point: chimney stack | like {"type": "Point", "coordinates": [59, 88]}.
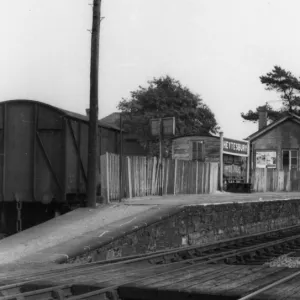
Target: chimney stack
{"type": "Point", "coordinates": [262, 117]}
{"type": "Point", "coordinates": [87, 112]}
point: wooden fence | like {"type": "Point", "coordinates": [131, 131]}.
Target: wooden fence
{"type": "Point", "coordinates": [273, 180]}
{"type": "Point", "coordinates": [141, 177]}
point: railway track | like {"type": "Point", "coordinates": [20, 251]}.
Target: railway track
{"type": "Point", "coordinates": [102, 279]}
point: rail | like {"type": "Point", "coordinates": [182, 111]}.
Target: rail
{"type": "Point", "coordinates": [139, 267]}
{"type": "Point", "coordinates": [269, 286]}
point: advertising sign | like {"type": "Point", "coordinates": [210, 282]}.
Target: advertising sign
{"type": "Point", "coordinates": [235, 147]}
{"type": "Point", "coordinates": [265, 159]}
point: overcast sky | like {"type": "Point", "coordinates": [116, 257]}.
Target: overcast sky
{"type": "Point", "coordinates": [217, 48]}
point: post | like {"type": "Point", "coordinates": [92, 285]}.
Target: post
{"type": "Point", "coordinates": [129, 177]}
{"type": "Point", "coordinates": [121, 156]}
{"type": "Point", "coordinates": [248, 163]}
{"type": "Point", "coordinates": [175, 176]}
{"type": "Point", "coordinates": [221, 161]}
{"type": "Point", "coordinates": [108, 172]}
{"type": "Point", "coordinates": [160, 157]}
{"type": "Point", "coordinates": [93, 123]}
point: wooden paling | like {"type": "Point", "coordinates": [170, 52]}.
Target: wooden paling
{"type": "Point", "coordinates": [273, 180]}
{"type": "Point", "coordinates": [141, 177]}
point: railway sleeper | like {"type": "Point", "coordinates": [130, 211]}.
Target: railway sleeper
{"type": "Point", "coordinates": [25, 288]}
{"type": "Point", "coordinates": [57, 293]}
{"type": "Point", "coordinates": [62, 292]}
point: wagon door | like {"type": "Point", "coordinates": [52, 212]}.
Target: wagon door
{"type": "Point", "coordinates": [18, 151]}
{"type": "Point", "coordinates": [76, 159]}
{"type": "Point", "coordinates": [49, 156]}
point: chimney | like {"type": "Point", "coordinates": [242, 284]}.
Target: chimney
{"type": "Point", "coordinates": [87, 112]}
{"type": "Point", "coordinates": [262, 117]}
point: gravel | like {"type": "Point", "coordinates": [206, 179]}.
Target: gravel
{"type": "Point", "coordinates": [285, 261]}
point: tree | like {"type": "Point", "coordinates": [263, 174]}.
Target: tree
{"type": "Point", "coordinates": [288, 87]}
{"type": "Point", "coordinates": [166, 97]}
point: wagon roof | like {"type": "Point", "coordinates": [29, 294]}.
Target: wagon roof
{"type": "Point", "coordinates": [63, 111]}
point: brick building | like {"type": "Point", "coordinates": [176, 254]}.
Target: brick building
{"type": "Point", "coordinates": [275, 145]}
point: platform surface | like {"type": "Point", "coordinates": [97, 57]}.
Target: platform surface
{"type": "Point", "coordinates": [64, 236]}
{"type": "Point", "coordinates": [218, 197]}
{"type": "Point", "coordinates": [62, 229]}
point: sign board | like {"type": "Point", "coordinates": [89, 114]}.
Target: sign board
{"type": "Point", "coordinates": [168, 126]}
{"type": "Point", "coordinates": [235, 147]}
{"type": "Point", "coordinates": [155, 127]}
{"type": "Point", "coordinates": [265, 159]}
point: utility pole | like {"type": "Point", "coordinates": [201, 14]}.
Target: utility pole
{"type": "Point", "coordinates": [93, 122]}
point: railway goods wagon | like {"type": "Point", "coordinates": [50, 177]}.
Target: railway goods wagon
{"type": "Point", "coordinates": [43, 161]}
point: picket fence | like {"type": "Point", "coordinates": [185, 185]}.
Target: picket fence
{"type": "Point", "coordinates": [141, 176]}
{"type": "Point", "coordinates": [273, 180]}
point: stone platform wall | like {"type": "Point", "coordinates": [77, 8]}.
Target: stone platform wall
{"type": "Point", "coordinates": [200, 224]}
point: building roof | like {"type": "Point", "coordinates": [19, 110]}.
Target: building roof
{"type": "Point", "coordinates": [113, 118]}
{"type": "Point", "coordinates": [288, 116]}
{"type": "Point", "coordinates": [200, 134]}
{"type": "Point", "coordinates": [70, 114]}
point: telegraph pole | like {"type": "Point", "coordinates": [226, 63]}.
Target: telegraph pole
{"type": "Point", "coordinates": [93, 122]}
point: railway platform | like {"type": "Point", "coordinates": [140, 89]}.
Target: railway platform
{"type": "Point", "coordinates": [79, 232]}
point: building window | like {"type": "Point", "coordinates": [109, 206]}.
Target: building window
{"type": "Point", "coordinates": [198, 151]}
{"type": "Point", "coordinates": [290, 159]}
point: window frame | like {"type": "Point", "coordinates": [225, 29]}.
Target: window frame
{"type": "Point", "coordinates": [200, 155]}
{"type": "Point", "coordinates": [290, 158]}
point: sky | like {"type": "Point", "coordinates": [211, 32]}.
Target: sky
{"type": "Point", "coordinates": [217, 48]}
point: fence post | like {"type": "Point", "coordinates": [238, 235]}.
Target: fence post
{"type": "Point", "coordinates": [129, 177]}
{"type": "Point", "coordinates": [153, 187]}
{"type": "Point", "coordinates": [196, 176]}
{"type": "Point", "coordinates": [265, 179]}
{"type": "Point", "coordinates": [167, 175]}
{"type": "Point", "coordinates": [175, 176]}
{"type": "Point", "coordinates": [221, 160]}
{"type": "Point", "coordinates": [248, 164]}
{"type": "Point", "coordinates": [107, 176]}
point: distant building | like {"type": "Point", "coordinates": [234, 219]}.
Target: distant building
{"type": "Point", "coordinates": [205, 147]}
{"type": "Point", "coordinates": [131, 145]}
{"type": "Point", "coordinates": [275, 145]}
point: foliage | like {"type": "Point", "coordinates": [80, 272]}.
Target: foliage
{"type": "Point", "coordinates": [287, 86]}
{"type": "Point", "coordinates": [166, 97]}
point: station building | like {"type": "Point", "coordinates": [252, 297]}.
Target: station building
{"type": "Point", "coordinates": [205, 147]}
{"type": "Point", "coordinates": [275, 145]}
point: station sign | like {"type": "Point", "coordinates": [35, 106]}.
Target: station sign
{"type": "Point", "coordinates": [235, 147]}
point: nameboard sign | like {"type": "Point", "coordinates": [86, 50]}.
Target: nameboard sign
{"type": "Point", "coordinates": [235, 147]}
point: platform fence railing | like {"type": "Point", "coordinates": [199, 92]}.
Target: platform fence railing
{"type": "Point", "coordinates": [274, 180]}
{"type": "Point", "coordinates": [141, 177]}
